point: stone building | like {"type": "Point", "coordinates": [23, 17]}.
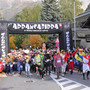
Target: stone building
{"type": "Point", "coordinates": [83, 29]}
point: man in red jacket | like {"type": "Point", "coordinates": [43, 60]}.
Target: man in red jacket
{"type": "Point", "coordinates": [71, 60]}
{"type": "Point", "coordinates": [58, 64]}
{"type": "Point", "coordinates": [89, 61]}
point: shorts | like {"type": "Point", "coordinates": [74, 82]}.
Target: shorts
{"type": "Point", "coordinates": [38, 66]}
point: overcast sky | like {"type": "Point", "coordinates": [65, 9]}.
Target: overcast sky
{"type": "Point", "coordinates": [85, 3]}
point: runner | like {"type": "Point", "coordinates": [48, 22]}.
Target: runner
{"type": "Point", "coordinates": [27, 66]}
{"type": "Point", "coordinates": [64, 63]}
{"type": "Point", "coordinates": [38, 63]}
{"type": "Point", "coordinates": [54, 61]}
{"type": "Point", "coordinates": [71, 60]}
{"type": "Point", "coordinates": [81, 53]}
{"type": "Point", "coordinates": [47, 62]}
{"type": "Point", "coordinates": [85, 64]}
{"type": "Point", "coordinates": [58, 64]}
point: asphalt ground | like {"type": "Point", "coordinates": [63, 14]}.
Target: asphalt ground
{"type": "Point", "coordinates": [78, 78]}
{"type": "Point", "coordinates": [17, 82]}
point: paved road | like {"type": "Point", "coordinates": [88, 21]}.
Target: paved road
{"type": "Point", "coordinates": [69, 82]}
{"type": "Point", "coordinates": [28, 83]}
{"type": "Point", "coordinates": [72, 82]}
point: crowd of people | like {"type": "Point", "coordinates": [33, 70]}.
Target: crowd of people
{"type": "Point", "coordinates": [43, 62]}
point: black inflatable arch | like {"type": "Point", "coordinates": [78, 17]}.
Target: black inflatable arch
{"type": "Point", "coordinates": [62, 28]}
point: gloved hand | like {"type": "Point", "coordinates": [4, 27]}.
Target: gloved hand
{"type": "Point", "coordinates": [77, 53]}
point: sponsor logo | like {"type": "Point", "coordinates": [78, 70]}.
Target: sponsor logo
{"type": "Point", "coordinates": [68, 40]}
{"type": "Point", "coordinates": [34, 26]}
{"type": "Point", "coordinates": [3, 45]}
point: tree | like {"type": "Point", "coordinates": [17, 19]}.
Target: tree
{"type": "Point", "coordinates": [25, 43]}
{"type": "Point", "coordinates": [30, 14]}
{"type": "Point", "coordinates": [19, 39]}
{"type": "Point", "coordinates": [12, 42]}
{"type": "Point", "coordinates": [67, 9]}
{"type": "Point", "coordinates": [35, 41]}
{"type": "Point", "coordinates": [51, 12]}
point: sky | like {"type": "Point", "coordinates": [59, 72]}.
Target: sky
{"type": "Point", "coordinates": [85, 3]}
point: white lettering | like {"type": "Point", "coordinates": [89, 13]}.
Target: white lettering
{"type": "Point", "coordinates": [35, 26]}
{"type": "Point", "coordinates": [14, 26]}
{"type": "Point", "coordinates": [19, 26]}
{"type": "Point", "coordinates": [67, 40]}
{"type": "Point", "coordinates": [31, 26]}
{"type": "Point", "coordinates": [3, 45]}
{"type": "Point", "coordinates": [27, 26]}
{"type": "Point", "coordinates": [23, 26]}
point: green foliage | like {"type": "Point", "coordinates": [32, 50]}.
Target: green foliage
{"type": "Point", "coordinates": [50, 11]}
{"type": "Point", "coordinates": [67, 9]}
{"type": "Point", "coordinates": [29, 14]}
{"type": "Point", "coordinates": [44, 37]}
{"type": "Point", "coordinates": [19, 39]}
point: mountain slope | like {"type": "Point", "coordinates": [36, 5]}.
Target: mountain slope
{"type": "Point", "coordinates": [9, 8]}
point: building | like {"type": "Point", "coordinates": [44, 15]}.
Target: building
{"type": "Point", "coordinates": [83, 29]}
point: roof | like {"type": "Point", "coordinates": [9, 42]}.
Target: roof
{"type": "Point", "coordinates": [87, 12]}
{"type": "Point", "coordinates": [86, 24]}
{"type": "Point", "coordinates": [84, 18]}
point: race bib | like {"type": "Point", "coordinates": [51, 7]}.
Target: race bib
{"type": "Point", "coordinates": [58, 61]}
{"type": "Point", "coordinates": [11, 65]}
{"type": "Point", "coordinates": [38, 60]}
{"type": "Point", "coordinates": [13, 62]}
{"type": "Point", "coordinates": [21, 66]}
{"type": "Point", "coordinates": [48, 60]}
{"type": "Point", "coordinates": [70, 60]}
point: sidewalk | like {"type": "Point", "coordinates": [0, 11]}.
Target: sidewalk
{"type": "Point", "coordinates": [25, 83]}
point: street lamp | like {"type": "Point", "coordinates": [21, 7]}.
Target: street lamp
{"type": "Point", "coordinates": [74, 27]}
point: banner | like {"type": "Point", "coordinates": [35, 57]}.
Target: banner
{"type": "Point", "coordinates": [62, 28]}
{"type": "Point", "coordinates": [3, 39]}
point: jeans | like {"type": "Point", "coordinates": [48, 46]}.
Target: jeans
{"type": "Point", "coordinates": [18, 66]}
{"type": "Point", "coordinates": [27, 68]}
{"type": "Point", "coordinates": [59, 69]}
{"type": "Point", "coordinates": [47, 66]}
{"type": "Point", "coordinates": [15, 67]}
{"type": "Point", "coordinates": [11, 70]}
{"type": "Point", "coordinates": [7, 68]}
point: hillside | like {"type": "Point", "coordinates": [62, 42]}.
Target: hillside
{"type": "Point", "coordinates": [9, 8]}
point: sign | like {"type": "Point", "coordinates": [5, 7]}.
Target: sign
{"type": "Point", "coordinates": [33, 27]}
{"type": "Point", "coordinates": [57, 45]}
{"type": "Point", "coordinates": [25, 46]}
{"type": "Point", "coordinates": [60, 24]}
{"type": "Point", "coordinates": [44, 45]}
{"type": "Point", "coordinates": [87, 38]}
{"type": "Point", "coordinates": [57, 40]}
{"type": "Point", "coordinates": [68, 40]}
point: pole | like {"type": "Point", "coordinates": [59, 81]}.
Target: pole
{"type": "Point", "coordinates": [74, 27]}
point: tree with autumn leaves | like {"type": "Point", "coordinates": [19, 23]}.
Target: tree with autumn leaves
{"type": "Point", "coordinates": [34, 41]}
{"type": "Point", "coordinates": [12, 42]}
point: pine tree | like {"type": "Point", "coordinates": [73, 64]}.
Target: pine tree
{"type": "Point", "coordinates": [50, 12]}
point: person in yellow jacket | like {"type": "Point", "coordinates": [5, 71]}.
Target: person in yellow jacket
{"type": "Point", "coordinates": [81, 53]}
